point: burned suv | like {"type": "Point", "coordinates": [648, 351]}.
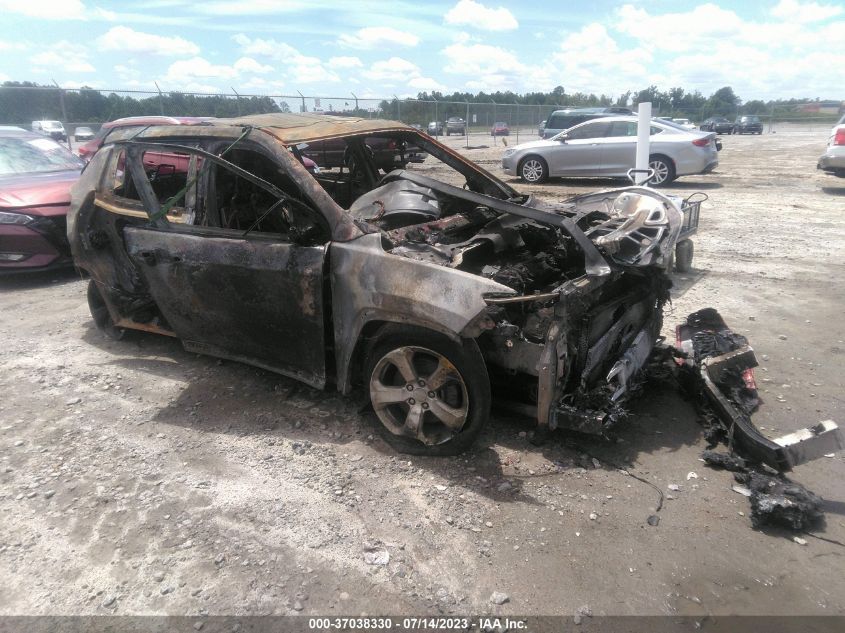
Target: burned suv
{"type": "Point", "coordinates": [432, 287]}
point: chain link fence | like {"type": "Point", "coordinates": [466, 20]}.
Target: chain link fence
{"type": "Point", "coordinates": [21, 105]}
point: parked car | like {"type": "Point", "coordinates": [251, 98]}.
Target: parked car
{"type": "Point", "coordinates": [36, 175]}
{"type": "Point", "coordinates": [748, 124]}
{"type": "Point", "coordinates": [87, 150]}
{"type": "Point", "coordinates": [500, 128]}
{"type": "Point", "coordinates": [388, 154]}
{"type": "Point", "coordinates": [54, 129]}
{"type": "Point", "coordinates": [435, 128]}
{"type": "Point", "coordinates": [83, 133]}
{"type": "Point", "coordinates": [718, 124]}
{"type": "Point", "coordinates": [456, 125]}
{"type": "Point", "coordinates": [561, 120]}
{"type": "Point", "coordinates": [606, 147]}
{"type": "Point", "coordinates": [833, 160]}
{"type": "Point", "coordinates": [423, 293]}
{"type": "Point", "coordinates": [685, 123]}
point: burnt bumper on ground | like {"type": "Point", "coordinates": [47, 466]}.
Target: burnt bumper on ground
{"type": "Point", "coordinates": [721, 363]}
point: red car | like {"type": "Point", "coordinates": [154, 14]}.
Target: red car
{"type": "Point", "coordinates": [36, 175]}
{"type": "Point", "coordinates": [500, 128]}
{"type": "Point", "coordinates": [87, 150]}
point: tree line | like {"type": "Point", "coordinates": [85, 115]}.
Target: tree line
{"type": "Point", "coordinates": [23, 102]}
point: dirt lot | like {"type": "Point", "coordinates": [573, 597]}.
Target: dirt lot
{"type": "Point", "coordinates": [137, 478]}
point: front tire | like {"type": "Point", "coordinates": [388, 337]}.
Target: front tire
{"type": "Point", "coordinates": [430, 395]}
{"type": "Point", "coordinates": [664, 170]}
{"type": "Point", "coordinates": [533, 169]}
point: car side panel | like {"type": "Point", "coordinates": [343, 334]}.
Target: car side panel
{"type": "Point", "coordinates": [370, 284]}
{"type": "Point", "coordinates": [250, 299]}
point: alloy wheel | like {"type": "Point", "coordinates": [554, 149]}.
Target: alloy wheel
{"type": "Point", "coordinates": [419, 393]}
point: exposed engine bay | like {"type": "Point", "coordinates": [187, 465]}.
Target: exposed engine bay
{"type": "Point", "coordinates": [605, 324]}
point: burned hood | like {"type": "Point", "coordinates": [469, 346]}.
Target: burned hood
{"type": "Point", "coordinates": [534, 245]}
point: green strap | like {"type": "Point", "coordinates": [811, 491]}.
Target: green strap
{"type": "Point", "coordinates": [175, 198]}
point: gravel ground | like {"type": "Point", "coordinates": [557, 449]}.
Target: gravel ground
{"type": "Point", "coordinates": [140, 479]}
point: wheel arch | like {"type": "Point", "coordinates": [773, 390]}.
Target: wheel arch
{"type": "Point", "coordinates": [373, 328]}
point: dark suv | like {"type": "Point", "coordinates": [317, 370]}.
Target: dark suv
{"type": "Point", "coordinates": [749, 124]}
{"type": "Point", "coordinates": [561, 120]}
{"type": "Point", "coordinates": [456, 125]}
{"type": "Point", "coordinates": [718, 124]}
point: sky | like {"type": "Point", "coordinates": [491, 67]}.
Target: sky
{"type": "Point", "coordinates": [764, 49]}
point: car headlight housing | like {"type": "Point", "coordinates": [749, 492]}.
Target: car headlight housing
{"type": "Point", "coordinates": [15, 218]}
{"type": "Point", "coordinates": [509, 152]}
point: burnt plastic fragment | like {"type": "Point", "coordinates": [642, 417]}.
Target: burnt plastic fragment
{"type": "Point", "coordinates": [780, 502]}
{"type": "Point", "coordinates": [733, 463]}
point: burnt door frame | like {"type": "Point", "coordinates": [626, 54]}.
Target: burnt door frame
{"type": "Point", "coordinates": [257, 298]}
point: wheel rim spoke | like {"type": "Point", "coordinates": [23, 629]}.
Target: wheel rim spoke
{"type": "Point", "coordinates": [403, 360]}
{"type": "Point", "coordinates": [445, 370]}
{"type": "Point", "coordinates": [413, 422]}
{"type": "Point", "coordinates": [453, 417]}
{"type": "Point", "coordinates": [419, 393]}
{"type": "Point", "coordinates": [383, 395]}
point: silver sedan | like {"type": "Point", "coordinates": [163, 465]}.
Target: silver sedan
{"type": "Point", "coordinates": [606, 148]}
{"type": "Point", "coordinates": [833, 160]}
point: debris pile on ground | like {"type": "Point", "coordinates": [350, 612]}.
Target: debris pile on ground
{"type": "Point", "coordinates": [733, 463]}
{"type": "Point", "coordinates": [779, 501]}
{"type": "Point", "coordinates": [775, 499]}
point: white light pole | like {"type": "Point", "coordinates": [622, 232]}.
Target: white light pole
{"type": "Point", "coordinates": [643, 134]}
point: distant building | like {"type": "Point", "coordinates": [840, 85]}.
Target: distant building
{"type": "Point", "coordinates": [823, 107]}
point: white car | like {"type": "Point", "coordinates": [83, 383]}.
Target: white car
{"type": "Point", "coordinates": [833, 160]}
{"type": "Point", "coordinates": [53, 129]}
{"type": "Point", "coordinates": [606, 147]}
{"type": "Point", "coordinates": [685, 123]}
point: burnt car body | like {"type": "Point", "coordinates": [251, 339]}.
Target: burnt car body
{"type": "Point", "coordinates": [430, 295]}
{"type": "Point", "coordinates": [388, 154]}
{"type": "Point", "coordinates": [36, 175]}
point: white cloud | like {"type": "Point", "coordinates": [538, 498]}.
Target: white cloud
{"type": "Point", "coordinates": [706, 23]}
{"type": "Point", "coordinates": [804, 12]}
{"type": "Point", "coordinates": [489, 68]}
{"type": "Point", "coordinates": [249, 65]}
{"type": "Point", "coordinates": [45, 9]}
{"type": "Point", "coordinates": [262, 85]}
{"type": "Point", "coordinates": [477, 15]}
{"type": "Point", "coordinates": [65, 56]}
{"type": "Point", "coordinates": [393, 69]}
{"type": "Point", "coordinates": [265, 48]}
{"type": "Point", "coordinates": [792, 54]}
{"type": "Point", "coordinates": [377, 37]}
{"type": "Point", "coordinates": [426, 84]}
{"type": "Point", "coordinates": [298, 68]}
{"type": "Point", "coordinates": [480, 59]}
{"type": "Point", "coordinates": [251, 7]}
{"type": "Point", "coordinates": [124, 39]}
{"type": "Point", "coordinates": [12, 46]}
{"type": "Point", "coordinates": [345, 62]}
{"type": "Point", "coordinates": [187, 70]}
